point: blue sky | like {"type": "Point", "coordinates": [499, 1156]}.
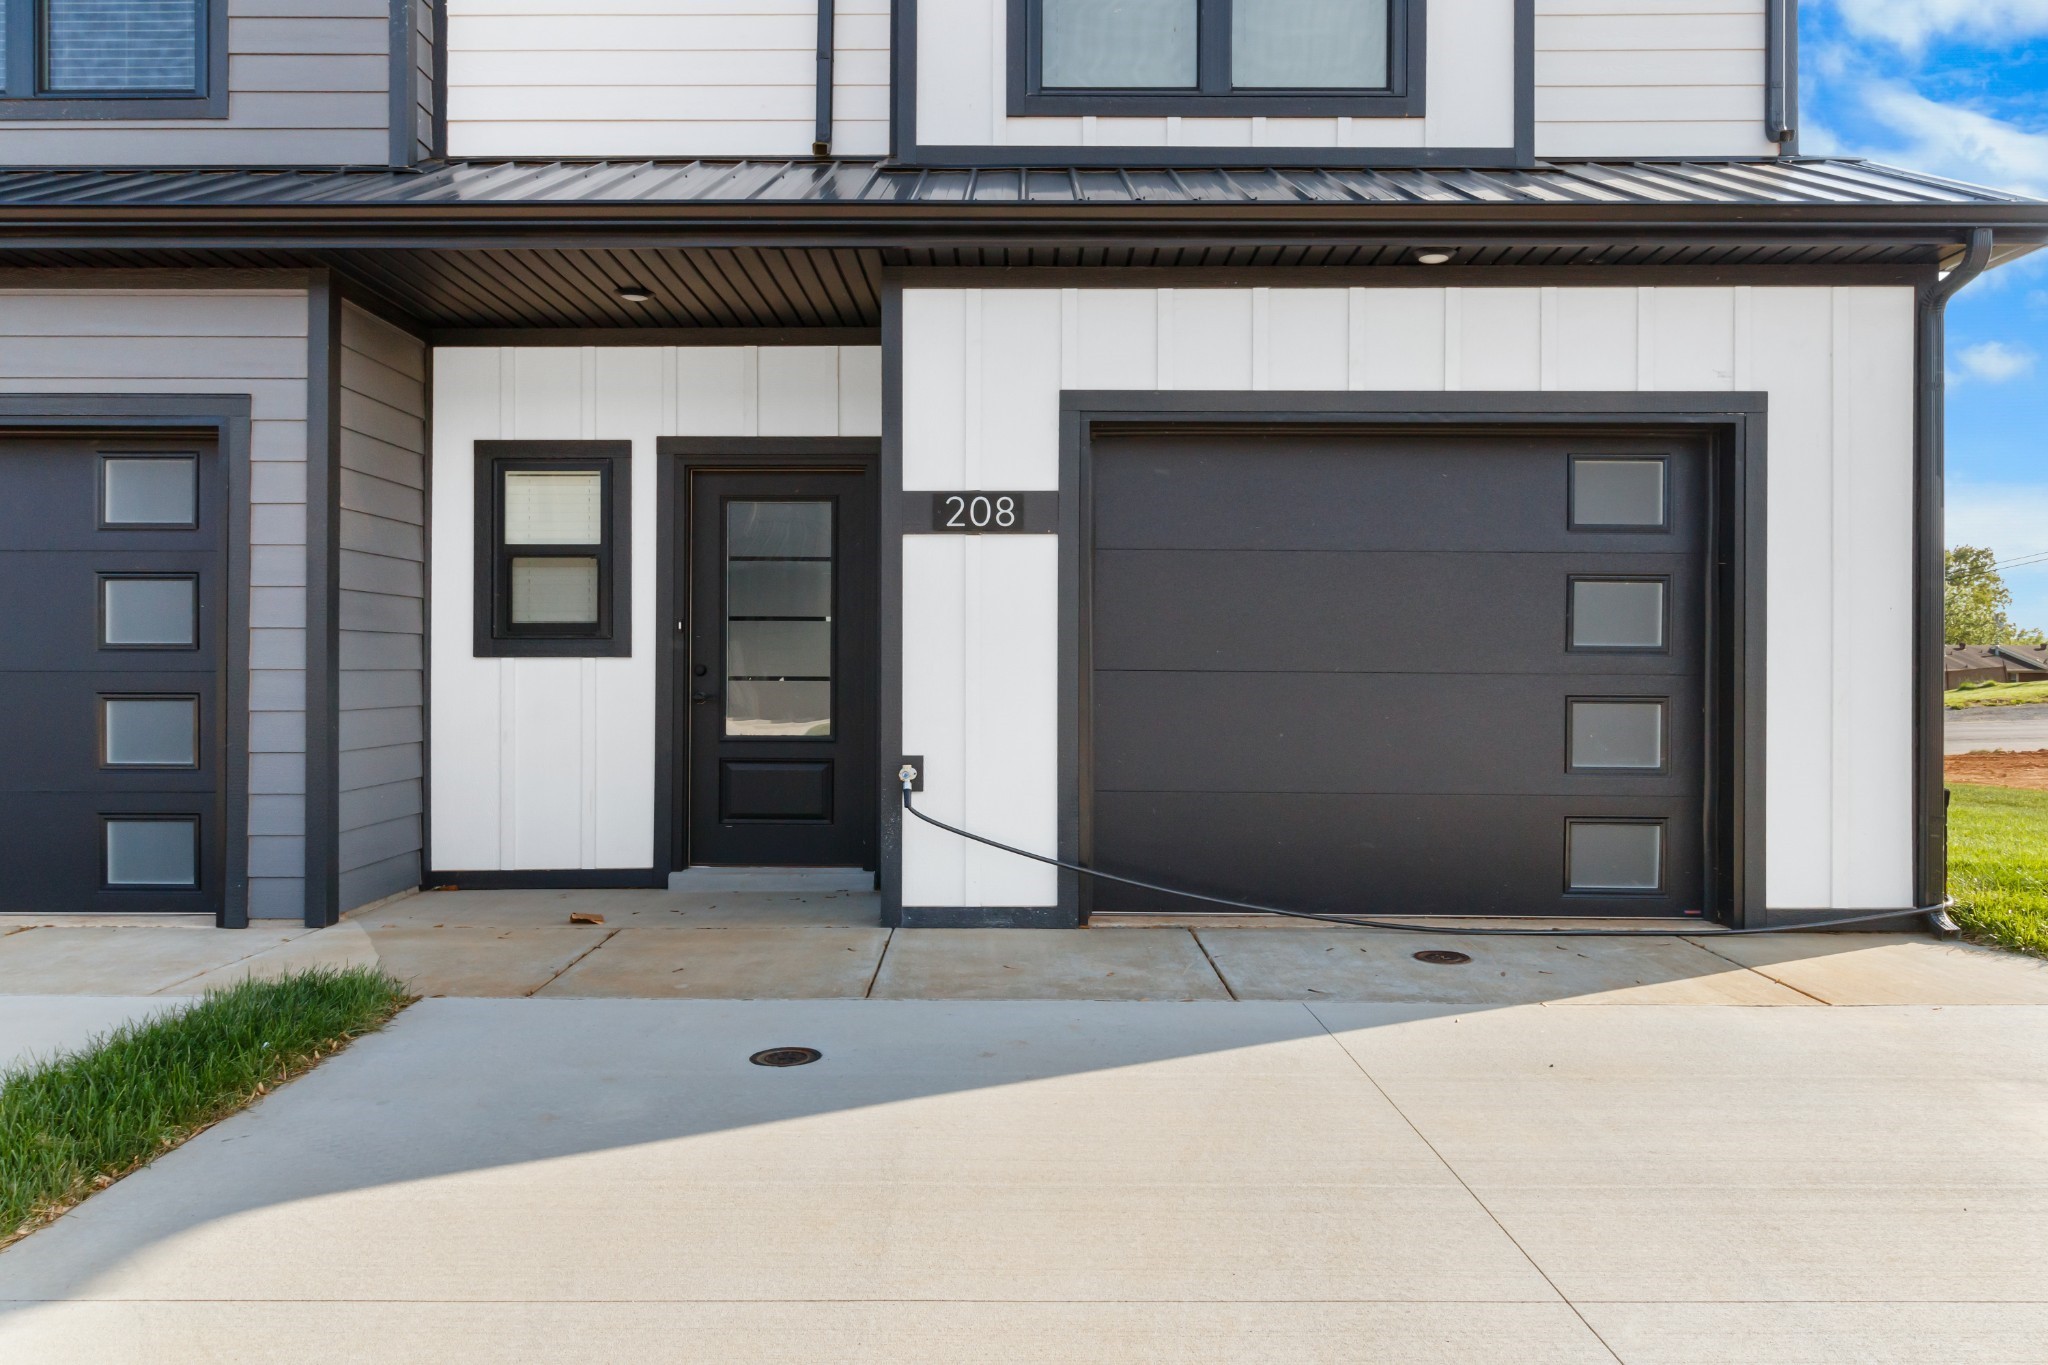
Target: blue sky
{"type": "Point", "coordinates": [1959, 88]}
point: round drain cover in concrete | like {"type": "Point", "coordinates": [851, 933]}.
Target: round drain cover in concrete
{"type": "Point", "coordinates": [1447, 957]}
{"type": "Point", "coordinates": [786, 1056]}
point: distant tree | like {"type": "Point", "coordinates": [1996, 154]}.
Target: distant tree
{"type": "Point", "coordinates": [1974, 598]}
{"type": "Point", "coordinates": [2032, 639]}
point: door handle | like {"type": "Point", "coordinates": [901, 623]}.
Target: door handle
{"type": "Point", "coordinates": [699, 698]}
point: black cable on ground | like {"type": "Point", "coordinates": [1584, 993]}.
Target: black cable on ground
{"type": "Point", "coordinates": [1702, 929]}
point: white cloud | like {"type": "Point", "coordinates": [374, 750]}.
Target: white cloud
{"type": "Point", "coordinates": [1951, 140]}
{"type": "Point", "coordinates": [1994, 362]}
{"type": "Point", "coordinates": [1909, 24]}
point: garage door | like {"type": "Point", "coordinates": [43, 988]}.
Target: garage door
{"type": "Point", "coordinates": [111, 712]}
{"type": "Point", "coordinates": [1399, 674]}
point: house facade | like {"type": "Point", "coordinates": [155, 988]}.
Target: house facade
{"type": "Point", "coordinates": [488, 443]}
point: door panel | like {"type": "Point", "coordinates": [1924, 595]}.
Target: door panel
{"type": "Point", "coordinates": [112, 711]}
{"type": "Point", "coordinates": [1400, 673]}
{"type": "Point", "coordinates": [777, 692]}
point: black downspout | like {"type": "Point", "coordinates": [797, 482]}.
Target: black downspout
{"type": "Point", "coordinates": [821, 140]}
{"type": "Point", "coordinates": [1930, 797]}
{"type": "Point", "coordinates": [1781, 64]}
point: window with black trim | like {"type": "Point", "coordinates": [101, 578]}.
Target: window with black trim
{"type": "Point", "coordinates": [1216, 57]}
{"type": "Point", "coordinates": [91, 59]}
{"type": "Point", "coordinates": [554, 562]}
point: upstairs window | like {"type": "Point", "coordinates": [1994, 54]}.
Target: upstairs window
{"type": "Point", "coordinates": [1216, 57]}
{"type": "Point", "coordinates": [89, 59]}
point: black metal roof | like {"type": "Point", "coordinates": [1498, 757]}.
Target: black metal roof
{"type": "Point", "coordinates": [1607, 188]}
{"type": "Point", "coordinates": [478, 246]}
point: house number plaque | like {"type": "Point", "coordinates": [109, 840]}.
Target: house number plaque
{"type": "Point", "coordinates": [983, 512]}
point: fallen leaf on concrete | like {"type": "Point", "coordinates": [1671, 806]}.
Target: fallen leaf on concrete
{"type": "Point", "coordinates": [584, 917]}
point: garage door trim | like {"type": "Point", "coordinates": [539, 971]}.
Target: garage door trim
{"type": "Point", "coordinates": [1734, 425]}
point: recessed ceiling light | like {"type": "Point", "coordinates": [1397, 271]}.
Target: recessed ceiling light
{"type": "Point", "coordinates": [1434, 256]}
{"type": "Point", "coordinates": [634, 293]}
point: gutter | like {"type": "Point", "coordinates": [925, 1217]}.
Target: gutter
{"type": "Point", "coordinates": [882, 227]}
{"type": "Point", "coordinates": [1930, 794]}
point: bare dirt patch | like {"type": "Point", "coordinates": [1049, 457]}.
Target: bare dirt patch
{"type": "Point", "coordinates": [2028, 769]}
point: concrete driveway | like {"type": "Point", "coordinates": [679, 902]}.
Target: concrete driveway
{"type": "Point", "coordinates": [570, 1181]}
{"type": "Point", "coordinates": [1995, 727]}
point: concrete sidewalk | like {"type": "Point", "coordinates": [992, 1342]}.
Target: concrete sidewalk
{"type": "Point", "coordinates": [570, 1181]}
{"type": "Point", "coordinates": [775, 946]}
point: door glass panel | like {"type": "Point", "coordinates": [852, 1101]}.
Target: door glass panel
{"type": "Point", "coordinates": [554, 507]}
{"type": "Point", "coordinates": [152, 852]}
{"type": "Point", "coordinates": [778, 618]}
{"type": "Point", "coordinates": [1617, 734]}
{"type": "Point", "coordinates": [149, 490]}
{"type": "Point", "coordinates": [1308, 44]}
{"type": "Point", "coordinates": [554, 591]}
{"type": "Point", "coordinates": [149, 612]}
{"type": "Point", "coordinates": [1616, 855]}
{"type": "Point", "coordinates": [1617, 493]}
{"type": "Point", "coordinates": [1617, 613]}
{"type": "Point", "coordinates": [1118, 45]}
{"type": "Point", "coordinates": [757, 710]}
{"type": "Point", "coordinates": [149, 732]}
{"type": "Point", "coordinates": [778, 530]}
{"type": "Point", "coordinates": [780, 587]}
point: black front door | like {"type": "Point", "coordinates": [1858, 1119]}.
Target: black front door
{"type": "Point", "coordinates": [778, 693]}
{"type": "Point", "coordinates": [112, 585]}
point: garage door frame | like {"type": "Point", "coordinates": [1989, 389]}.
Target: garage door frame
{"type": "Point", "coordinates": [224, 419]}
{"type": "Point", "coordinates": [1734, 427]}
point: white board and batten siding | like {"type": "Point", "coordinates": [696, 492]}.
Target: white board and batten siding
{"type": "Point", "coordinates": [213, 342]}
{"type": "Point", "coordinates": [307, 86]}
{"type": "Point", "coordinates": [549, 763]}
{"type": "Point", "coordinates": [983, 371]}
{"type": "Point", "coordinates": [382, 644]}
{"type": "Point", "coordinates": [661, 78]}
{"type": "Point", "coordinates": [963, 84]}
{"type": "Point", "coordinates": [1644, 78]}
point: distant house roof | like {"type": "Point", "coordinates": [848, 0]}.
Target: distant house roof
{"type": "Point", "coordinates": [1959, 657]}
{"type": "Point", "coordinates": [2023, 656]}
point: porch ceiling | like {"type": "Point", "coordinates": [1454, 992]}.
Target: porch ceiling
{"type": "Point", "coordinates": [544, 289]}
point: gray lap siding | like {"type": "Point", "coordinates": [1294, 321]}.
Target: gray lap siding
{"type": "Point", "coordinates": [383, 608]}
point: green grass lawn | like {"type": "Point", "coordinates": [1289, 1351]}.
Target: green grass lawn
{"type": "Point", "coordinates": [1998, 865]}
{"type": "Point", "coordinates": [1995, 694]}
{"type": "Point", "coordinates": [81, 1121]}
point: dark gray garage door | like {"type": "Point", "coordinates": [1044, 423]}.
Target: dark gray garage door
{"type": "Point", "coordinates": [1400, 674]}
{"type": "Point", "coordinates": [111, 714]}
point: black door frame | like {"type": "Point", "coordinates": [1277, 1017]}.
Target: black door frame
{"type": "Point", "coordinates": [223, 419]}
{"type": "Point", "coordinates": [676, 458]}
{"type": "Point", "coordinates": [1734, 424]}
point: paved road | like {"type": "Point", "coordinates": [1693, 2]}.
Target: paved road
{"type": "Point", "coordinates": [570, 1181]}
{"type": "Point", "coordinates": [1996, 727]}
